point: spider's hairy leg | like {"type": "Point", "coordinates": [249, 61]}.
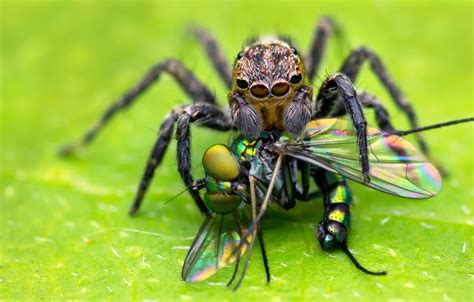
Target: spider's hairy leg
{"type": "Point", "coordinates": [187, 81]}
{"type": "Point", "coordinates": [337, 91]}
{"type": "Point", "coordinates": [324, 28]}
{"type": "Point", "coordinates": [368, 100]}
{"type": "Point", "coordinates": [214, 54]}
{"type": "Point", "coordinates": [206, 115]}
{"type": "Point", "coordinates": [351, 68]}
{"type": "Point", "coordinates": [381, 114]}
{"type": "Point", "coordinates": [333, 229]}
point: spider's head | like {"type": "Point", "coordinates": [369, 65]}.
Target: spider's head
{"type": "Point", "coordinates": [267, 76]}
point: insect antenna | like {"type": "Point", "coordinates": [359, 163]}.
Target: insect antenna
{"type": "Point", "coordinates": [430, 127]}
{"type": "Point", "coordinates": [196, 185]}
{"type": "Point", "coordinates": [357, 264]}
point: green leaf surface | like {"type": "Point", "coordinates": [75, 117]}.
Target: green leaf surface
{"type": "Point", "coordinates": [65, 233]}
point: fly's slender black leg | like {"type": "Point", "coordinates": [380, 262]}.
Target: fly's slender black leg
{"type": "Point", "coordinates": [289, 185]}
{"type": "Point", "coordinates": [351, 68]}
{"type": "Point", "coordinates": [245, 238]}
{"type": "Point", "coordinates": [336, 92]}
{"type": "Point", "coordinates": [264, 254]}
{"type": "Point", "coordinates": [188, 82]}
{"type": "Point", "coordinates": [333, 229]}
{"type": "Point", "coordinates": [206, 115]}
{"type": "Point", "coordinates": [293, 190]}
{"type": "Point", "coordinates": [214, 54]}
{"type": "Point", "coordinates": [324, 28]}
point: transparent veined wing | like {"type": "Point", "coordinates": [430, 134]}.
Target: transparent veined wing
{"type": "Point", "coordinates": [212, 248]}
{"type": "Point", "coordinates": [396, 166]}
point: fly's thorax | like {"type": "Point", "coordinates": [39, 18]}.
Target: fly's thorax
{"type": "Point", "coordinates": [268, 75]}
{"type": "Point", "coordinates": [245, 149]}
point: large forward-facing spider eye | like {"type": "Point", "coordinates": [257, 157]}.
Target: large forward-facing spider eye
{"type": "Point", "coordinates": [294, 51]}
{"type": "Point", "coordinates": [280, 88]}
{"type": "Point", "coordinates": [240, 55]}
{"type": "Point", "coordinates": [259, 90]}
{"type": "Point", "coordinates": [296, 78]}
{"type": "Point", "coordinates": [242, 83]}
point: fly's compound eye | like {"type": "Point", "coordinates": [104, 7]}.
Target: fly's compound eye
{"type": "Point", "coordinates": [280, 88]}
{"type": "Point", "coordinates": [242, 83]}
{"type": "Point", "coordinates": [296, 78]}
{"type": "Point", "coordinates": [259, 90]}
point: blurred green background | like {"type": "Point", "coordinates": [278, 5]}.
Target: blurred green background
{"type": "Point", "coordinates": [65, 232]}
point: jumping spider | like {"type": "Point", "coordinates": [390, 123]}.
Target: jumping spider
{"type": "Point", "coordinates": [269, 90]}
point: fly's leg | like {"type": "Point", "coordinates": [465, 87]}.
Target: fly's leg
{"type": "Point", "coordinates": [214, 54]}
{"type": "Point", "coordinates": [333, 229]}
{"type": "Point", "coordinates": [264, 254]}
{"type": "Point", "coordinates": [245, 238]}
{"type": "Point", "coordinates": [324, 28]}
{"type": "Point", "coordinates": [206, 115]}
{"type": "Point", "coordinates": [187, 81]}
{"type": "Point", "coordinates": [338, 91]}
{"type": "Point", "coordinates": [292, 189]}
{"type": "Point", "coordinates": [351, 68]}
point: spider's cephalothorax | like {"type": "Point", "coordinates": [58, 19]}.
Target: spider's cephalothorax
{"type": "Point", "coordinates": [269, 90]}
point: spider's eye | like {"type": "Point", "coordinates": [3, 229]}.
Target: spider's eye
{"type": "Point", "coordinates": [294, 51]}
{"type": "Point", "coordinates": [240, 55]}
{"type": "Point", "coordinates": [296, 78]}
{"type": "Point", "coordinates": [242, 83]}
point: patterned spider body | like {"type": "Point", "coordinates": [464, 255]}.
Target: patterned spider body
{"type": "Point", "coordinates": [269, 75]}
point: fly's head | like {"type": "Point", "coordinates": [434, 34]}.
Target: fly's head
{"type": "Point", "coordinates": [269, 90]}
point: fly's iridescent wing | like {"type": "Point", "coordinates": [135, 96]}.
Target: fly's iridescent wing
{"type": "Point", "coordinates": [212, 248]}
{"type": "Point", "coordinates": [396, 166]}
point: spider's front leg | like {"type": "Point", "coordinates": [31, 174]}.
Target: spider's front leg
{"type": "Point", "coordinates": [206, 115]}
{"type": "Point", "coordinates": [336, 94]}
{"type": "Point", "coordinates": [351, 68]}
{"type": "Point", "coordinates": [324, 28]}
{"type": "Point", "coordinates": [187, 81]}
{"type": "Point", "coordinates": [333, 229]}
{"type": "Point", "coordinates": [214, 54]}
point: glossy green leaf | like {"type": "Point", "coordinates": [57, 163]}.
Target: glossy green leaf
{"type": "Point", "coordinates": [65, 233]}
